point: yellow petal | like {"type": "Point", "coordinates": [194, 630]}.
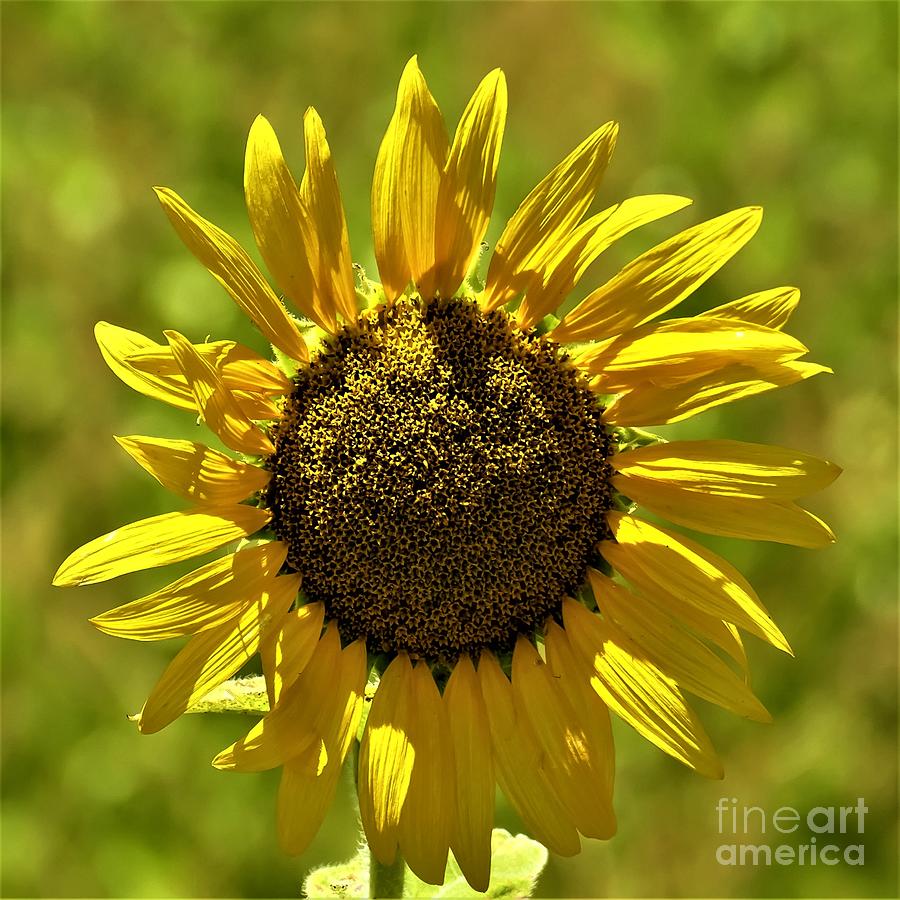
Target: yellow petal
{"type": "Point", "coordinates": [280, 223]}
{"type": "Point", "coordinates": [255, 375]}
{"type": "Point", "coordinates": [741, 517]}
{"type": "Point", "coordinates": [693, 665]}
{"type": "Point", "coordinates": [213, 656]}
{"type": "Point", "coordinates": [771, 308]}
{"type": "Point", "coordinates": [471, 739]}
{"type": "Point", "coordinates": [546, 218]}
{"type": "Point", "coordinates": [648, 404]}
{"type": "Point", "coordinates": [158, 359]}
{"type": "Point", "coordinates": [338, 720]}
{"type": "Point", "coordinates": [206, 597]}
{"type": "Point", "coordinates": [710, 628]}
{"type": "Point", "coordinates": [660, 278]}
{"type": "Point", "coordinates": [303, 799]}
{"type": "Point", "coordinates": [680, 350]}
{"type": "Point", "coordinates": [195, 471]}
{"type": "Point", "coordinates": [576, 768]}
{"type": "Point", "coordinates": [587, 242]}
{"type": "Point", "coordinates": [638, 691]}
{"type": "Point", "coordinates": [661, 563]}
{"type": "Point", "coordinates": [118, 346]}
{"type": "Point", "coordinates": [272, 742]}
{"type": "Point", "coordinates": [386, 759]}
{"type": "Point", "coordinates": [319, 709]}
{"type": "Point", "coordinates": [240, 367]}
{"type": "Point", "coordinates": [589, 711]}
{"type": "Point", "coordinates": [151, 369]}
{"type": "Point", "coordinates": [236, 272]}
{"type": "Point", "coordinates": [466, 193]}
{"type": "Point", "coordinates": [289, 729]}
{"type": "Point", "coordinates": [287, 651]}
{"type": "Point", "coordinates": [730, 468]}
{"type": "Point", "coordinates": [307, 785]}
{"type": "Point", "coordinates": [405, 186]}
{"type": "Point", "coordinates": [429, 811]}
{"type": "Point", "coordinates": [522, 764]}
{"type": "Point", "coordinates": [328, 244]}
{"type": "Point", "coordinates": [255, 407]}
{"type": "Point", "coordinates": [216, 402]}
{"type": "Point", "coordinates": [158, 541]}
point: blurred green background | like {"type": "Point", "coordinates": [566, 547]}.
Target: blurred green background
{"type": "Point", "coordinates": [789, 105]}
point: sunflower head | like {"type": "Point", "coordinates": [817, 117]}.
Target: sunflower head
{"type": "Point", "coordinates": [435, 489]}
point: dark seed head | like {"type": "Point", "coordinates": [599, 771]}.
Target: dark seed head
{"type": "Point", "coordinates": [440, 479]}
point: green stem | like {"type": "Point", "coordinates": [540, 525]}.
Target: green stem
{"type": "Point", "coordinates": [386, 882]}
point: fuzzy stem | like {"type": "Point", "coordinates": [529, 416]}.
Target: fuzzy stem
{"type": "Point", "coordinates": [386, 882]}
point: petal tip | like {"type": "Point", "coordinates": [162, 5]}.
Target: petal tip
{"type": "Point", "coordinates": [754, 215]}
{"type": "Point", "coordinates": [260, 125]}
{"type": "Point", "coordinates": [67, 574]}
{"type": "Point", "coordinates": [60, 580]}
{"type": "Point", "coordinates": [496, 78]}
{"type": "Point", "coordinates": [145, 725]}
{"type": "Point", "coordinates": [410, 70]}
{"type": "Point", "coordinates": [311, 117]}
{"type": "Point", "coordinates": [224, 761]}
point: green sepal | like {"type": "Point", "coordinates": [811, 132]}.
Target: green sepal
{"type": "Point", "coordinates": [547, 324]}
{"type": "Point", "coordinates": [473, 279]}
{"type": "Point", "coordinates": [629, 438]}
{"type": "Point", "coordinates": [467, 291]}
{"type": "Point", "coordinates": [368, 697]}
{"type": "Point", "coordinates": [284, 362]}
{"type": "Point", "coordinates": [621, 503]}
{"type": "Point", "coordinates": [257, 539]}
{"type": "Point", "coordinates": [595, 561]}
{"type": "Point", "coordinates": [368, 293]}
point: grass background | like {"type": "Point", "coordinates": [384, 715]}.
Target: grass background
{"type": "Point", "coordinates": [790, 105]}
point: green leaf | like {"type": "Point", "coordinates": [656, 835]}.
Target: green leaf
{"type": "Point", "coordinates": [516, 864]}
{"type": "Point", "coordinates": [349, 879]}
{"type": "Point", "coordinates": [243, 695]}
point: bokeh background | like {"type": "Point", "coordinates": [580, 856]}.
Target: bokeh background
{"type": "Point", "coordinates": [789, 105]}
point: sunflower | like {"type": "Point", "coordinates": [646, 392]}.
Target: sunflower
{"type": "Point", "coordinates": [434, 488]}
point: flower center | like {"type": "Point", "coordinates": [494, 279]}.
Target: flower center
{"type": "Point", "coordinates": [440, 479]}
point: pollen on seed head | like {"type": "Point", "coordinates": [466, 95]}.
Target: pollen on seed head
{"type": "Point", "coordinates": [440, 479]}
